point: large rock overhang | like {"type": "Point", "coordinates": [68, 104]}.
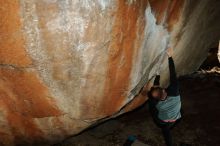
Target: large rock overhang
{"type": "Point", "coordinates": [64, 65]}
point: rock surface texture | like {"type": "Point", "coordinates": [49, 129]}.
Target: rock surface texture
{"type": "Point", "coordinates": [67, 64]}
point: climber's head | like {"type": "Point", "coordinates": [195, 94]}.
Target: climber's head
{"type": "Point", "coordinates": [158, 93]}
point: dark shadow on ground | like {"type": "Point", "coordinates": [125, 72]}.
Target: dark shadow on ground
{"type": "Point", "coordinates": [200, 125]}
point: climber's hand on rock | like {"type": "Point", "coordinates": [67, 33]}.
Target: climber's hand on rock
{"type": "Point", "coordinates": [170, 52]}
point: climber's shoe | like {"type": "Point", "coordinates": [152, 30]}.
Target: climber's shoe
{"type": "Point", "coordinates": [131, 139]}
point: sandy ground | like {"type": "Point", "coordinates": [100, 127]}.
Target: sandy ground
{"type": "Point", "coordinates": [200, 125]}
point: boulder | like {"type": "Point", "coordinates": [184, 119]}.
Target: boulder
{"type": "Point", "coordinates": [66, 65]}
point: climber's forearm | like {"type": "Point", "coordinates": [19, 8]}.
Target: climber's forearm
{"type": "Point", "coordinates": [157, 80]}
{"type": "Point", "coordinates": [173, 77]}
{"type": "Point", "coordinates": [173, 88]}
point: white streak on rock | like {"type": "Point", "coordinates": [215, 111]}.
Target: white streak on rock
{"type": "Point", "coordinates": [156, 39]}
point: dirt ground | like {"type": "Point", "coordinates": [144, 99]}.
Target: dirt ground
{"type": "Point", "coordinates": [200, 125]}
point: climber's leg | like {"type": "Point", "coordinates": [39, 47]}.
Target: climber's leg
{"type": "Point", "coordinates": [167, 134]}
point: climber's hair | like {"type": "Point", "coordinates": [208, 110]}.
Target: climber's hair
{"type": "Point", "coordinates": [157, 89]}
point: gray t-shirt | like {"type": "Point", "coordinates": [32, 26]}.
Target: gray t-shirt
{"type": "Point", "coordinates": [169, 109]}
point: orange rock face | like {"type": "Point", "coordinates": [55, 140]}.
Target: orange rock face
{"type": "Point", "coordinates": [65, 65]}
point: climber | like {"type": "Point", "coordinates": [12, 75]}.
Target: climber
{"type": "Point", "coordinates": [165, 104]}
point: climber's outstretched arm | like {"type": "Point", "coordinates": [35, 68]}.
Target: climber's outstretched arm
{"type": "Point", "coordinates": [173, 77]}
{"type": "Point", "coordinates": [173, 88]}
